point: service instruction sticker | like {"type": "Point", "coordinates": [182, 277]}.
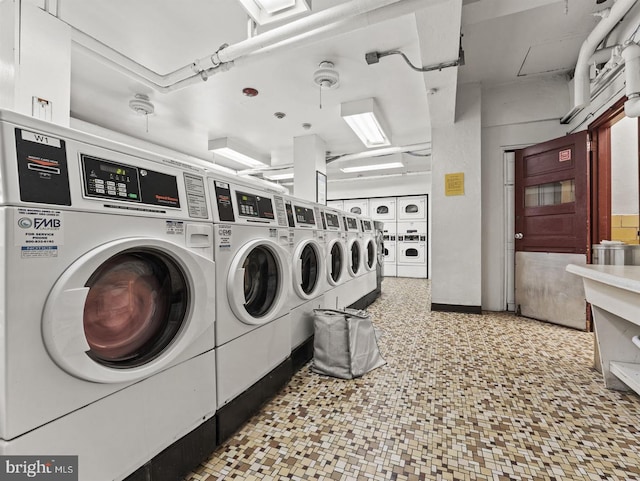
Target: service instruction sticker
{"type": "Point", "coordinates": [175, 227]}
{"type": "Point", "coordinates": [38, 232]}
{"type": "Point", "coordinates": [224, 236]}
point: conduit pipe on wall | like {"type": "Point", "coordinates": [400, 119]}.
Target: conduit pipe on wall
{"type": "Point", "coordinates": [311, 27]}
{"type": "Point", "coordinates": [582, 93]}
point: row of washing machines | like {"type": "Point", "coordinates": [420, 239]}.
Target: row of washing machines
{"type": "Point", "coordinates": [406, 245]}
{"type": "Point", "coordinates": [148, 307]}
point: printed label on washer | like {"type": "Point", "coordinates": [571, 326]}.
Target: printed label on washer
{"type": "Point", "coordinates": [51, 468]}
{"type": "Point", "coordinates": [38, 232]}
{"type": "Point", "coordinates": [196, 199]}
{"type": "Point", "coordinates": [224, 236]}
{"type": "Point", "coordinates": [175, 227]}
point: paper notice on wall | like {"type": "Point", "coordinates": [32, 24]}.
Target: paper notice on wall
{"type": "Point", "coordinates": [454, 184]}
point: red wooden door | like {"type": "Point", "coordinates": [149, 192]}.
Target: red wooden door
{"type": "Point", "coordinates": [552, 229]}
{"type": "Point", "coordinates": [551, 196]}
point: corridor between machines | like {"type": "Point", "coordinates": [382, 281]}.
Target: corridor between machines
{"type": "Point", "coordinates": [462, 396]}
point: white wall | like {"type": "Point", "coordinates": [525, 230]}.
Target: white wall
{"type": "Point", "coordinates": [624, 167]}
{"type": "Point", "coordinates": [457, 220]}
{"type": "Point", "coordinates": [380, 186]}
{"type": "Point", "coordinates": [513, 116]}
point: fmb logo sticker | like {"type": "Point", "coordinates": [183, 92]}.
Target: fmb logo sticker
{"type": "Point", "coordinates": [50, 468]}
{"type": "Point", "coordinates": [25, 222]}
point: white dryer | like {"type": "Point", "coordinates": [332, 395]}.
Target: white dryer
{"type": "Point", "coordinates": [357, 206]}
{"type": "Point", "coordinates": [253, 272]}
{"type": "Point", "coordinates": [335, 204]}
{"type": "Point", "coordinates": [336, 257]}
{"type": "Point", "coordinates": [308, 264]}
{"type": "Point", "coordinates": [389, 239]}
{"type": "Point", "coordinates": [412, 249]}
{"type": "Point", "coordinates": [412, 208]}
{"type": "Point", "coordinates": [107, 298]}
{"type": "Point", "coordinates": [383, 209]}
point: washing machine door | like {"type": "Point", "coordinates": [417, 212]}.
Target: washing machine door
{"type": "Point", "coordinates": [308, 268]}
{"type": "Point", "coordinates": [127, 309]}
{"type": "Point", "coordinates": [258, 280]}
{"type": "Point", "coordinates": [355, 257]}
{"type": "Point", "coordinates": [370, 254]}
{"type": "Point", "coordinates": [335, 266]}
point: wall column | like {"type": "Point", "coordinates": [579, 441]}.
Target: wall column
{"type": "Point", "coordinates": [456, 221]}
{"type": "Point", "coordinates": [309, 156]}
{"type": "Point", "coordinates": [35, 53]}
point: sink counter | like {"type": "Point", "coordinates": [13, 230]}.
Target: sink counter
{"type": "Point", "coordinates": [614, 294]}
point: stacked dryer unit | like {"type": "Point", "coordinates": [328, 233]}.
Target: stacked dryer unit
{"type": "Point", "coordinates": [253, 292]}
{"type": "Point", "coordinates": [357, 206]}
{"type": "Point", "coordinates": [412, 250]}
{"type": "Point", "coordinates": [336, 257]}
{"type": "Point", "coordinates": [107, 300]}
{"type": "Point", "coordinates": [384, 210]}
{"type": "Point", "coordinates": [309, 270]}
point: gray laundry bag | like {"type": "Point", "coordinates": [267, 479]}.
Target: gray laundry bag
{"type": "Point", "coordinates": [344, 344]}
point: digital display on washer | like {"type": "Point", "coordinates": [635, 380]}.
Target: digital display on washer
{"type": "Point", "coordinates": [366, 225]}
{"type": "Point", "coordinates": [106, 179]}
{"type": "Point", "coordinates": [251, 205]}
{"type": "Point", "coordinates": [352, 223]}
{"type": "Point", "coordinates": [332, 220]}
{"type": "Point", "coordinates": [110, 180]}
{"type": "Point", "coordinates": [304, 215]}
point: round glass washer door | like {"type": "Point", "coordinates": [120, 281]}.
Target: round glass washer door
{"type": "Point", "coordinates": [308, 266]}
{"type": "Point", "coordinates": [128, 309]}
{"type": "Point", "coordinates": [257, 280]}
{"type": "Point", "coordinates": [355, 257]}
{"type": "Point", "coordinates": [370, 254]}
{"type": "Point", "coordinates": [335, 265]}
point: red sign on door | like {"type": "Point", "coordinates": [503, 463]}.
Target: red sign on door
{"type": "Point", "coordinates": [564, 155]}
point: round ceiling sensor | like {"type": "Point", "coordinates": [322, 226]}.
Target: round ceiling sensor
{"type": "Point", "coordinates": [327, 77]}
{"type": "Point", "coordinates": [141, 105]}
{"type": "Point", "coordinates": [249, 92]}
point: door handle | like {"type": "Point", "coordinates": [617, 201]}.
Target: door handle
{"type": "Point", "coordinates": [519, 236]}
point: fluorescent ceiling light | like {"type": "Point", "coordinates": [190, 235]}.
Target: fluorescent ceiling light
{"type": "Point", "coordinates": [235, 150]}
{"type": "Point", "coordinates": [273, 6]}
{"type": "Point", "coordinates": [365, 119]}
{"type": "Point", "coordinates": [365, 168]}
{"type": "Point", "coordinates": [266, 11]}
{"type": "Point", "coordinates": [284, 176]}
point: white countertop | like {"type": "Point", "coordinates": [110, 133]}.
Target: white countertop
{"type": "Point", "coordinates": [622, 277]}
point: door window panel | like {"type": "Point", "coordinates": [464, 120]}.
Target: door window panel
{"type": "Point", "coordinates": [552, 193]}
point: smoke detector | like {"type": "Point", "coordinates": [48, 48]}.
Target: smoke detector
{"type": "Point", "coordinates": [141, 105]}
{"type": "Point", "coordinates": [327, 77]}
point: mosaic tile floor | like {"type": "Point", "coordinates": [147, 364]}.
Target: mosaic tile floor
{"type": "Point", "coordinates": [462, 397]}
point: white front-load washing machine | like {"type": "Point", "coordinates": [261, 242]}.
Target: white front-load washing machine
{"type": "Point", "coordinates": [355, 263]}
{"type": "Point", "coordinates": [107, 299]}
{"type": "Point", "coordinates": [369, 255]}
{"type": "Point", "coordinates": [308, 269]}
{"type": "Point", "coordinates": [336, 257]}
{"type": "Point", "coordinates": [253, 288]}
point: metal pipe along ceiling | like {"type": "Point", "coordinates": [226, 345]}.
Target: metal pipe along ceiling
{"type": "Point", "coordinates": [582, 94]}
{"type": "Point", "coordinates": [351, 15]}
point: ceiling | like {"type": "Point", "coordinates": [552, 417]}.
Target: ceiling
{"type": "Point", "coordinates": [503, 40]}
